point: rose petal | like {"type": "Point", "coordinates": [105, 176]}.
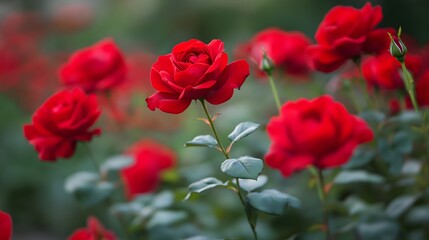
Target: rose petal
{"type": "Point", "coordinates": [167, 102]}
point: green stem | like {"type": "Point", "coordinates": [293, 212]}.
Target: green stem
{"type": "Point", "coordinates": [322, 195]}
{"type": "Point", "coordinates": [274, 90]}
{"type": "Point", "coordinates": [409, 85]}
{"type": "Point", "coordinates": [91, 156]}
{"type": "Point", "coordinates": [226, 154]}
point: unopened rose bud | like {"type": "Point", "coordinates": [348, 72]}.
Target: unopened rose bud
{"type": "Point", "coordinates": [267, 65]}
{"type": "Point", "coordinates": [397, 47]}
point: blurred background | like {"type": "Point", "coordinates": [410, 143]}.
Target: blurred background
{"type": "Point", "coordinates": [38, 36]}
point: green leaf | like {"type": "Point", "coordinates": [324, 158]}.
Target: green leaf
{"type": "Point", "coordinates": [202, 141]}
{"type": "Point", "coordinates": [360, 158]}
{"type": "Point", "coordinates": [163, 218]}
{"type": "Point", "coordinates": [87, 189]}
{"type": "Point", "coordinates": [243, 167]}
{"type": "Point", "coordinates": [242, 130]}
{"type": "Point", "coordinates": [346, 177]}
{"type": "Point", "coordinates": [384, 230]}
{"type": "Point", "coordinates": [117, 163]}
{"type": "Point", "coordinates": [203, 185]}
{"type": "Point", "coordinates": [400, 204]}
{"type": "Point", "coordinates": [403, 142]}
{"type": "Point", "coordinates": [373, 117]}
{"type": "Point", "coordinates": [249, 184]}
{"type": "Point", "coordinates": [407, 117]}
{"type": "Point", "coordinates": [272, 201]}
{"type": "Point", "coordinates": [418, 216]}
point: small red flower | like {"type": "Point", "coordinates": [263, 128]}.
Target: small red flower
{"type": "Point", "coordinates": [150, 159]}
{"type": "Point", "coordinates": [384, 71]}
{"type": "Point", "coordinates": [94, 231]}
{"type": "Point", "coordinates": [285, 49]}
{"type": "Point", "coordinates": [96, 68]}
{"type": "Point", "coordinates": [62, 121]}
{"type": "Point", "coordinates": [194, 70]}
{"type": "Point", "coordinates": [5, 226]}
{"type": "Point", "coordinates": [318, 132]}
{"type": "Point", "coordinates": [346, 33]}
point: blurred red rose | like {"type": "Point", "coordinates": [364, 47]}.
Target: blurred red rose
{"type": "Point", "coordinates": [194, 70]}
{"type": "Point", "coordinates": [5, 226]}
{"type": "Point", "coordinates": [422, 89]}
{"type": "Point", "coordinates": [95, 68]}
{"type": "Point", "coordinates": [394, 106]}
{"type": "Point", "coordinates": [60, 122]}
{"type": "Point", "coordinates": [384, 71]}
{"type": "Point", "coordinates": [285, 49]}
{"type": "Point", "coordinates": [345, 33]}
{"type": "Point", "coordinates": [150, 159]}
{"type": "Point", "coordinates": [94, 231]}
{"type": "Point", "coordinates": [318, 132]}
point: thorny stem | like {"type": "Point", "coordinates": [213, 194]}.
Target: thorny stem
{"type": "Point", "coordinates": [322, 195]}
{"type": "Point", "coordinates": [226, 154]}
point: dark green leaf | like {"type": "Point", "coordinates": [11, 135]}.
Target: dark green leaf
{"type": "Point", "coordinates": [373, 117]}
{"type": "Point", "coordinates": [346, 177]}
{"type": "Point", "coordinates": [117, 163]}
{"type": "Point", "coordinates": [202, 141]}
{"type": "Point", "coordinates": [400, 204]}
{"type": "Point", "coordinates": [418, 216]}
{"type": "Point", "coordinates": [272, 201]}
{"type": "Point", "coordinates": [250, 184]}
{"type": "Point", "coordinates": [407, 117]}
{"type": "Point", "coordinates": [203, 185]}
{"type": "Point", "coordinates": [86, 188]}
{"type": "Point", "coordinates": [403, 142]}
{"type": "Point", "coordinates": [243, 167]}
{"type": "Point", "coordinates": [163, 218]}
{"type": "Point", "coordinates": [242, 130]}
{"type": "Point", "coordinates": [360, 158]}
{"type": "Point", "coordinates": [378, 231]}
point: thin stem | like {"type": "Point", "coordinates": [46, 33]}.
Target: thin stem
{"type": "Point", "coordinates": [91, 156]}
{"type": "Point", "coordinates": [409, 85]}
{"type": "Point", "coordinates": [274, 90]}
{"type": "Point", "coordinates": [323, 201]}
{"type": "Point", "coordinates": [226, 154]}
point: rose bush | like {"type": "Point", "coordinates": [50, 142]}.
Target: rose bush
{"type": "Point", "coordinates": [346, 33]}
{"type": "Point", "coordinates": [318, 132]}
{"type": "Point", "coordinates": [194, 70]}
{"type": "Point", "coordinates": [96, 68]}
{"type": "Point", "coordinates": [63, 120]}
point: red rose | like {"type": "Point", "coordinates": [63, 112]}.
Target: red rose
{"type": "Point", "coordinates": [384, 71]}
{"type": "Point", "coordinates": [317, 132]}
{"type": "Point", "coordinates": [94, 231]}
{"type": "Point", "coordinates": [150, 159]}
{"type": "Point", "coordinates": [5, 226]}
{"type": "Point", "coordinates": [345, 33]}
{"type": "Point", "coordinates": [422, 88]}
{"type": "Point", "coordinates": [60, 122]}
{"type": "Point", "coordinates": [194, 70]}
{"type": "Point", "coordinates": [285, 49]}
{"type": "Point", "coordinates": [96, 68]}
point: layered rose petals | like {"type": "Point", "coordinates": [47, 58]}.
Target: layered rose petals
{"type": "Point", "coordinates": [93, 231]}
{"type": "Point", "coordinates": [346, 33]}
{"type": "Point", "coordinates": [194, 70]}
{"type": "Point", "coordinates": [63, 120]}
{"type": "Point", "coordinates": [96, 68]}
{"type": "Point", "coordinates": [150, 160]}
{"type": "Point", "coordinates": [317, 132]}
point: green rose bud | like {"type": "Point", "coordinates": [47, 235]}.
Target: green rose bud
{"type": "Point", "coordinates": [267, 65]}
{"type": "Point", "coordinates": [397, 47]}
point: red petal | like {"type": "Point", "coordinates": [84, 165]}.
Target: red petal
{"type": "Point", "coordinates": [167, 102]}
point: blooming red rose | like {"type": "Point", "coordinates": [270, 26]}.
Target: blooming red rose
{"type": "Point", "coordinates": [5, 226]}
{"type": "Point", "coordinates": [96, 68]}
{"type": "Point", "coordinates": [285, 49]}
{"type": "Point", "coordinates": [318, 132]}
{"type": "Point", "coordinates": [94, 231]}
{"type": "Point", "coordinates": [194, 70]}
{"type": "Point", "coordinates": [150, 159]}
{"type": "Point", "coordinates": [384, 71]}
{"type": "Point", "coordinates": [345, 33]}
{"type": "Point", "coordinates": [60, 122]}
